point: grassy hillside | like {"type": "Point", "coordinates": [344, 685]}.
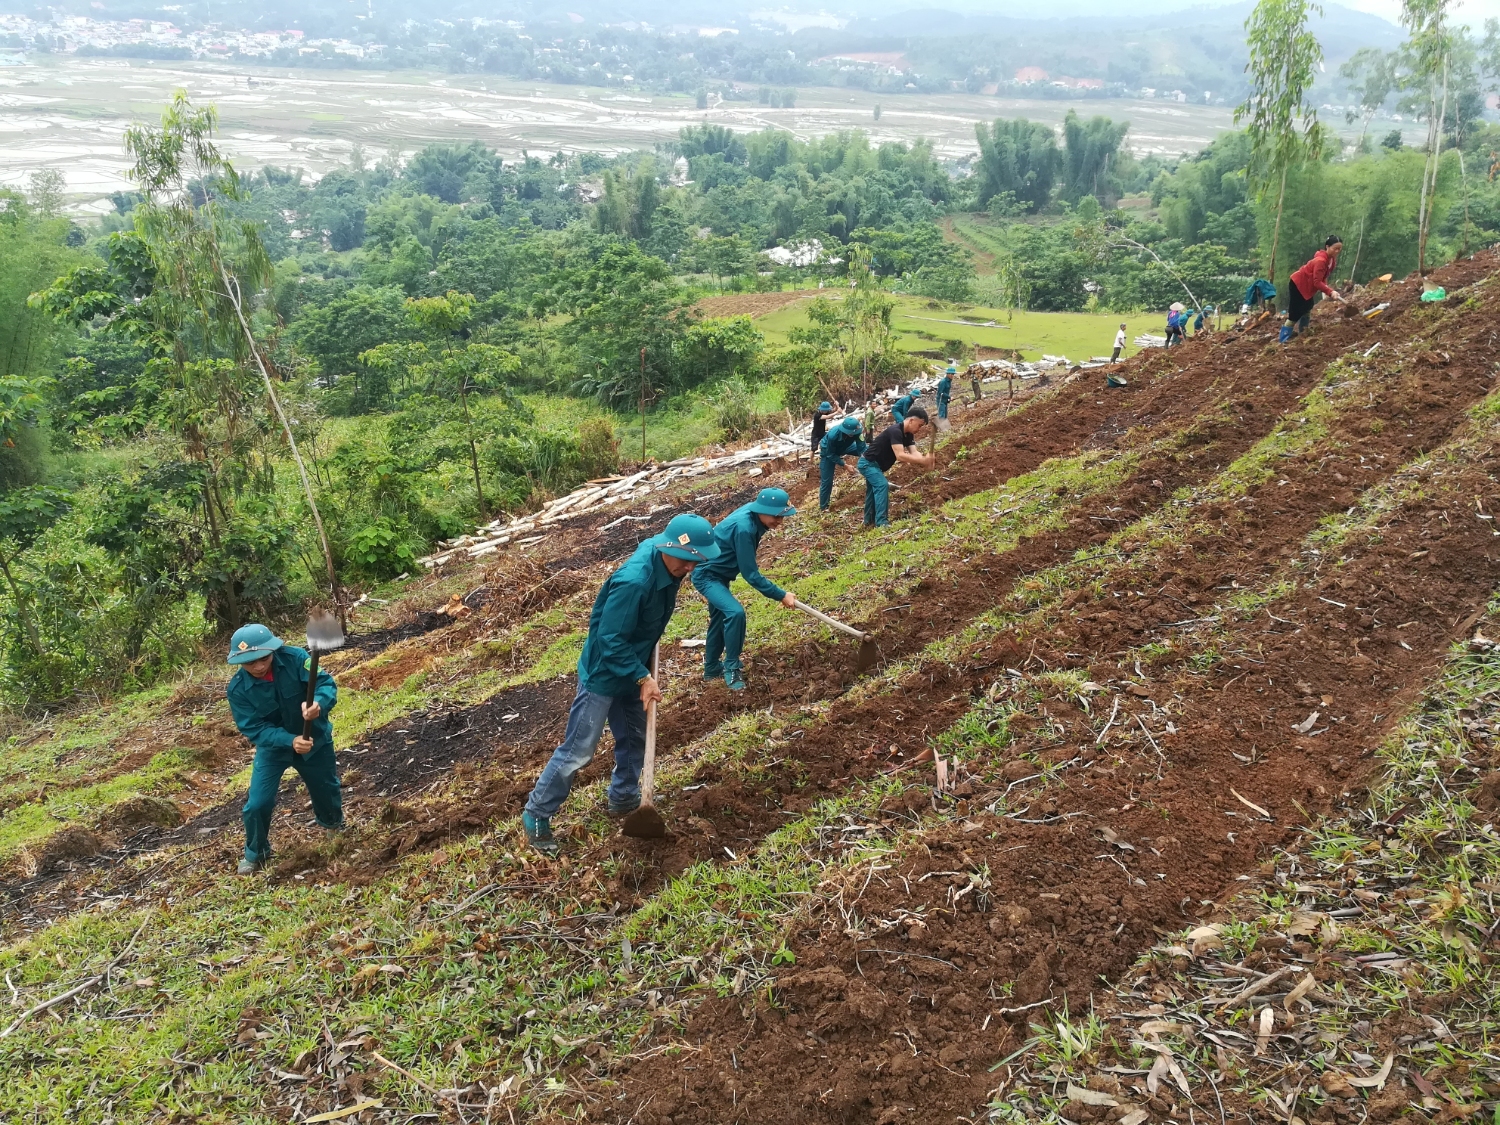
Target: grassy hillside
{"type": "Point", "coordinates": [1155, 633]}
{"type": "Point", "coordinates": [923, 325]}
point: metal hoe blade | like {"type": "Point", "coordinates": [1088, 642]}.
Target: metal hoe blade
{"type": "Point", "coordinates": [869, 656]}
{"type": "Point", "coordinates": [323, 632]}
{"type": "Point", "coordinates": [645, 824]}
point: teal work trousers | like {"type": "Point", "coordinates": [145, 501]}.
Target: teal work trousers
{"type": "Point", "coordinates": [726, 626]}
{"type": "Point", "coordinates": [320, 774]}
{"type": "Point", "coordinates": [877, 494]}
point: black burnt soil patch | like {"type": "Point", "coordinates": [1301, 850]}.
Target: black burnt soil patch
{"type": "Point", "coordinates": [396, 760]}
{"type": "Point", "coordinates": [410, 752]}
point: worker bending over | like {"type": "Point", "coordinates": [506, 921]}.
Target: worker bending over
{"type": "Point", "coordinates": [616, 682]}
{"type": "Point", "coordinates": [892, 444]}
{"type": "Point", "coordinates": [1308, 282]}
{"type": "Point", "coordinates": [903, 406]}
{"type": "Point", "coordinates": [841, 441]}
{"type": "Point", "coordinates": [738, 538]}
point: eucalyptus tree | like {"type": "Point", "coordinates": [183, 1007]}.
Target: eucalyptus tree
{"type": "Point", "coordinates": [1278, 114]}
{"type": "Point", "coordinates": [203, 256]}
{"type": "Point", "coordinates": [1429, 47]}
{"type": "Point", "coordinates": [176, 285]}
{"type": "Point", "coordinates": [1371, 76]}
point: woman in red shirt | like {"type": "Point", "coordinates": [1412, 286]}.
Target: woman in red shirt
{"type": "Point", "coordinates": [1311, 280]}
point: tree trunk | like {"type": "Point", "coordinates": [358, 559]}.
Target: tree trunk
{"type": "Point", "coordinates": [1437, 161]}
{"type": "Point", "coordinates": [1464, 177]}
{"type": "Point", "coordinates": [231, 290]}
{"type": "Point", "coordinates": [463, 400]}
{"type": "Point", "coordinates": [1430, 168]}
{"type": "Point", "coordinates": [231, 601]}
{"type": "Point", "coordinates": [1276, 230]}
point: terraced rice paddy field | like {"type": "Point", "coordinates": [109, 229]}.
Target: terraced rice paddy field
{"type": "Point", "coordinates": [1203, 658]}
{"type": "Point", "coordinates": [69, 113]}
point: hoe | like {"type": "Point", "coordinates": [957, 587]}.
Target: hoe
{"type": "Point", "coordinates": [869, 652]}
{"type": "Point", "coordinates": [323, 635]}
{"type": "Point", "coordinates": [645, 823]}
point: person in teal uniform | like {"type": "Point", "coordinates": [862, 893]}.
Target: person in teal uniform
{"type": "Point", "coordinates": [945, 391]}
{"type": "Point", "coordinates": [738, 537]}
{"type": "Point", "coordinates": [616, 682]}
{"type": "Point", "coordinates": [268, 699]}
{"type": "Point", "coordinates": [903, 406]}
{"type": "Point", "coordinates": [840, 442]}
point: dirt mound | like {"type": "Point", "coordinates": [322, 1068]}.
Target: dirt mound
{"type": "Point", "coordinates": [69, 843]}
{"type": "Point", "coordinates": [138, 812]}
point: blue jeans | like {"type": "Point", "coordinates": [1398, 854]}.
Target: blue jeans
{"type": "Point", "coordinates": [877, 494]}
{"type": "Point", "coordinates": [319, 772]}
{"type": "Point", "coordinates": [586, 719]}
{"type": "Point", "coordinates": [726, 625]}
{"type": "Point", "coordinates": [825, 483]}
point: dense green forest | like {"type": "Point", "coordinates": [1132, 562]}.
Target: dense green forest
{"type": "Point", "coordinates": [456, 336]}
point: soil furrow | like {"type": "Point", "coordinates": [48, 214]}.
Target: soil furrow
{"type": "Point", "coordinates": [1101, 916]}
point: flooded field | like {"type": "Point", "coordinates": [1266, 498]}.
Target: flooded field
{"type": "Point", "coordinates": [70, 113]}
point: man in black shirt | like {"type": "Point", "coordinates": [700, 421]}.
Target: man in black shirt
{"type": "Point", "coordinates": [820, 424]}
{"type": "Point", "coordinates": [819, 429]}
{"type": "Point", "coordinates": [894, 443]}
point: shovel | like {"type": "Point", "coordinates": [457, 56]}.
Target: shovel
{"type": "Point", "coordinates": [646, 823]}
{"type": "Point", "coordinates": [323, 635]}
{"type": "Point", "coordinates": [869, 653]}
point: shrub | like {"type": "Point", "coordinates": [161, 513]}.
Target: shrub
{"type": "Point", "coordinates": [734, 410]}
{"type": "Point", "coordinates": [598, 449]}
{"type": "Point", "coordinates": [380, 549]}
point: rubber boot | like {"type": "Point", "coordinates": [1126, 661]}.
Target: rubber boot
{"type": "Point", "coordinates": [538, 831]}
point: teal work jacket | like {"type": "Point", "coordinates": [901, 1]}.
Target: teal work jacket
{"type": "Point", "coordinates": [838, 442]}
{"type": "Point", "coordinates": [629, 616]}
{"type": "Point", "coordinates": [269, 712]}
{"type": "Point", "coordinates": [739, 535]}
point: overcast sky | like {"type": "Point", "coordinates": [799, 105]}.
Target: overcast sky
{"type": "Point", "coordinates": [1471, 12]}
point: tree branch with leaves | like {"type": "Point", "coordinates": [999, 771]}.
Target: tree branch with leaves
{"type": "Point", "coordinates": [1278, 115]}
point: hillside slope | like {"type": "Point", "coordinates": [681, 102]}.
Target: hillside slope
{"type": "Point", "coordinates": [1176, 615]}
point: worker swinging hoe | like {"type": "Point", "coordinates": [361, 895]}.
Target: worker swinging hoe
{"type": "Point", "coordinates": [618, 669]}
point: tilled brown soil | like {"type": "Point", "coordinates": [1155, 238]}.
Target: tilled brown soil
{"type": "Point", "coordinates": [504, 737]}
{"type": "Point", "coordinates": [907, 1034]}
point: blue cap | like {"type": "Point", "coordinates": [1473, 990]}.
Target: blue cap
{"type": "Point", "coordinates": [688, 537]}
{"type": "Point", "coordinates": [850, 425]}
{"type": "Point", "coordinates": [773, 502]}
{"type": "Point", "coordinates": [251, 642]}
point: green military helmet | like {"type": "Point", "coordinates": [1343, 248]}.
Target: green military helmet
{"type": "Point", "coordinates": [850, 425]}
{"type": "Point", "coordinates": [251, 642]}
{"type": "Point", "coordinates": [773, 502]}
{"type": "Point", "coordinates": [688, 537]}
